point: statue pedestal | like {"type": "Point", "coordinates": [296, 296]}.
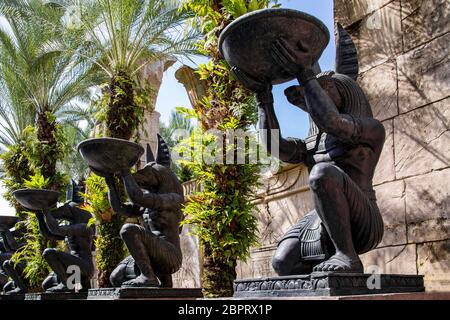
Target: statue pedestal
{"type": "Point", "coordinates": [144, 293]}
{"type": "Point", "coordinates": [327, 284]}
{"type": "Point", "coordinates": [56, 296]}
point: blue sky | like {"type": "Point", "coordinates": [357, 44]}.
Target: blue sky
{"type": "Point", "coordinates": [293, 121]}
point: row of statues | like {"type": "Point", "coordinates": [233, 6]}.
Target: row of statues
{"type": "Point", "coordinates": [156, 196]}
{"type": "Point", "coordinates": [341, 159]}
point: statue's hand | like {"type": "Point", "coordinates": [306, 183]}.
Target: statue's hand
{"type": "Point", "coordinates": [250, 82]}
{"type": "Point", "coordinates": [125, 172]}
{"type": "Point", "coordinates": [100, 173]}
{"type": "Point", "coordinates": [296, 96]}
{"type": "Point", "coordinates": [294, 59]}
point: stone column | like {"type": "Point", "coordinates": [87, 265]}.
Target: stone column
{"type": "Point", "coordinates": [190, 273]}
{"type": "Point", "coordinates": [151, 126]}
{"type": "Point", "coordinates": [150, 78]}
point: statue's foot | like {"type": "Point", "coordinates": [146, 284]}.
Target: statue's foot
{"type": "Point", "coordinates": [16, 291]}
{"type": "Point", "coordinates": [341, 263]}
{"type": "Point", "coordinates": [58, 288]}
{"type": "Point", "coordinates": [141, 281]}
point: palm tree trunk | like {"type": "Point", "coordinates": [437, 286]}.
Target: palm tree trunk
{"type": "Point", "coordinates": [218, 275]}
{"type": "Point", "coordinates": [122, 120]}
{"type": "Point", "coordinates": [110, 249]}
{"type": "Point", "coordinates": [46, 135]}
{"type": "Point", "coordinates": [122, 116]}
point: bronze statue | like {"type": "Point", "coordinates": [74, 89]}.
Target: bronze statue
{"type": "Point", "coordinates": [78, 237]}
{"type": "Point", "coordinates": [156, 195]}
{"type": "Point", "coordinates": [8, 269]}
{"type": "Point", "coordinates": [346, 221]}
{"type": "Point", "coordinates": [4, 255]}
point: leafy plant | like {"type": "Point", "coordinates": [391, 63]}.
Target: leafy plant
{"type": "Point", "coordinates": [96, 197]}
{"type": "Point", "coordinates": [16, 168]}
{"type": "Point", "coordinates": [37, 181]}
{"type": "Point", "coordinates": [221, 214]}
{"type": "Point", "coordinates": [44, 156]}
{"type": "Point", "coordinates": [110, 249]}
{"type": "Point", "coordinates": [36, 268]}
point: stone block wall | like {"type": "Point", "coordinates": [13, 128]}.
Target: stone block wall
{"type": "Point", "coordinates": [282, 200]}
{"type": "Point", "coordinates": [404, 54]}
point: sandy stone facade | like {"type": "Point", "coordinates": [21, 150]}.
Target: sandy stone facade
{"type": "Point", "coordinates": [404, 54]}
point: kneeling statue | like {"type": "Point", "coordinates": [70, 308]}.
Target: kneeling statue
{"type": "Point", "coordinates": [9, 269]}
{"type": "Point", "coordinates": [346, 221]}
{"type": "Point", "coordinates": [79, 238]}
{"type": "Point", "coordinates": [156, 195]}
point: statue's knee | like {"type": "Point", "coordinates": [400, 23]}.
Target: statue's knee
{"type": "Point", "coordinates": [128, 230]}
{"type": "Point", "coordinates": [117, 277]}
{"type": "Point", "coordinates": [323, 176]}
{"type": "Point", "coordinates": [49, 253]}
{"type": "Point", "coordinates": [49, 281]}
{"type": "Point", "coordinates": [7, 265]}
{"type": "Point", "coordinates": [281, 263]}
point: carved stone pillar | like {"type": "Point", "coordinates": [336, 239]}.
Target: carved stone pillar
{"type": "Point", "coordinates": [150, 78]}
{"type": "Point", "coordinates": [195, 87]}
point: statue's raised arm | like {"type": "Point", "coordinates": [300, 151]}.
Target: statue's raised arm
{"type": "Point", "coordinates": [290, 150]}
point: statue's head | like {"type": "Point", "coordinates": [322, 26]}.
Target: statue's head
{"type": "Point", "coordinates": [72, 213]}
{"type": "Point", "coordinates": [346, 94]}
{"type": "Point", "coordinates": [73, 192]}
{"type": "Point", "coordinates": [157, 176]}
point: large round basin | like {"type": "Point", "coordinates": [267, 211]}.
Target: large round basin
{"type": "Point", "coordinates": [36, 199]}
{"type": "Point", "coordinates": [110, 155]}
{"type": "Point", "coordinates": [247, 41]}
{"type": "Point", "coordinates": [7, 222]}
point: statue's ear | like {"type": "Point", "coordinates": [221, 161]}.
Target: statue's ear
{"type": "Point", "coordinates": [163, 157]}
{"type": "Point", "coordinates": [346, 54]}
{"type": "Point", "coordinates": [149, 154]}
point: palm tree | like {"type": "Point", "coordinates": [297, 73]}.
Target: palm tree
{"type": "Point", "coordinates": [121, 37]}
{"type": "Point", "coordinates": [15, 116]}
{"type": "Point", "coordinates": [177, 121]}
{"type": "Point", "coordinates": [78, 125]}
{"type": "Point", "coordinates": [41, 79]}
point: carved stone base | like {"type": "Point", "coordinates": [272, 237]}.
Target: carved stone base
{"type": "Point", "coordinates": [56, 296]}
{"type": "Point", "coordinates": [11, 297]}
{"type": "Point", "coordinates": [144, 293]}
{"type": "Point", "coordinates": [327, 284]}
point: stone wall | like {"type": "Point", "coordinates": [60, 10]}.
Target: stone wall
{"type": "Point", "coordinates": [282, 200]}
{"type": "Point", "coordinates": [404, 54]}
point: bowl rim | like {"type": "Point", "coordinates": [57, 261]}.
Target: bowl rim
{"type": "Point", "coordinates": [47, 191]}
{"type": "Point", "coordinates": [11, 217]}
{"type": "Point", "coordinates": [115, 140]}
{"type": "Point", "coordinates": [14, 219]}
{"type": "Point", "coordinates": [36, 189]}
{"type": "Point", "coordinates": [269, 12]}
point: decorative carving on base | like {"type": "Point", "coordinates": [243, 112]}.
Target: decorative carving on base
{"type": "Point", "coordinates": [56, 296]}
{"type": "Point", "coordinates": [323, 284]}
{"type": "Point", "coordinates": [144, 293]}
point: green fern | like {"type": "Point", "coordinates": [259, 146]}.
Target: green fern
{"type": "Point", "coordinates": [37, 181]}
